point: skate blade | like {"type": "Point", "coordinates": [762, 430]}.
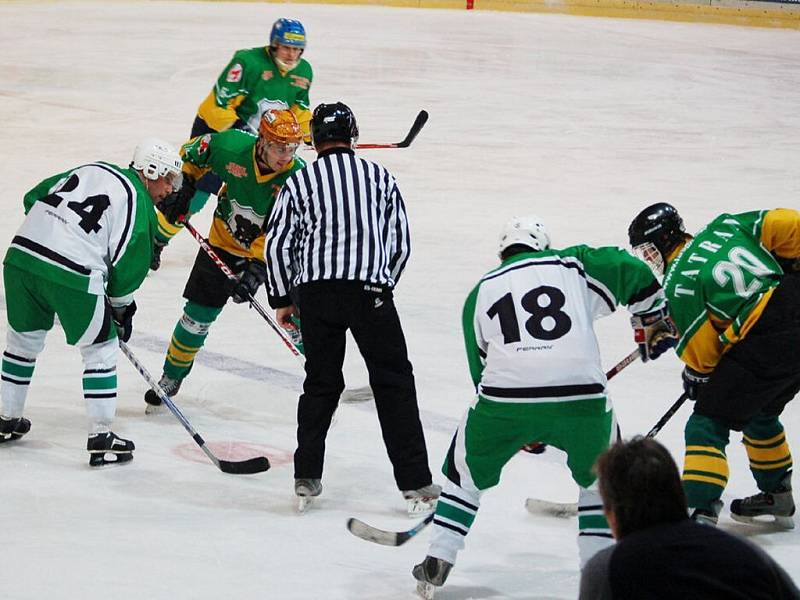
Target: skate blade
{"type": "Point", "coordinates": [425, 590]}
{"type": "Point", "coordinates": [103, 461]}
{"type": "Point", "coordinates": [304, 503]}
{"type": "Point", "coordinates": [152, 409]}
{"type": "Point", "coordinates": [420, 507]}
{"type": "Point", "coordinates": [766, 520]}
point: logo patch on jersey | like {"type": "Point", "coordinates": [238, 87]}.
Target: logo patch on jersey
{"type": "Point", "coordinates": [236, 170]}
{"type": "Point", "coordinates": [234, 74]}
{"type": "Point", "coordinates": [301, 82]}
{"type": "Point", "coordinates": [267, 75]}
{"type": "Point", "coordinates": [203, 145]}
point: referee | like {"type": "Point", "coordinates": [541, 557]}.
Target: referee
{"type": "Point", "coordinates": [338, 239]}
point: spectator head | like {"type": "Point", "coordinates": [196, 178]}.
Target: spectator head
{"type": "Point", "coordinates": [640, 486]}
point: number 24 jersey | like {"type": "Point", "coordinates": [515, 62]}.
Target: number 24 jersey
{"type": "Point", "coordinates": [528, 325]}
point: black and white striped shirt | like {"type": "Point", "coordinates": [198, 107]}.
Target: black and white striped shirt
{"type": "Point", "coordinates": [341, 217]}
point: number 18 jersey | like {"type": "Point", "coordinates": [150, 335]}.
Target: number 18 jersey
{"type": "Point", "coordinates": [528, 325]}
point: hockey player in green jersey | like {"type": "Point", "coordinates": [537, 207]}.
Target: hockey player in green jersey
{"type": "Point", "coordinates": [739, 318]}
{"type": "Point", "coordinates": [253, 169]}
{"type": "Point", "coordinates": [80, 254]}
{"type": "Point", "coordinates": [535, 363]}
{"type": "Point", "coordinates": [255, 80]}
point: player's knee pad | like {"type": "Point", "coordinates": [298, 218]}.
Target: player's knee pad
{"type": "Point", "coordinates": [27, 344]}
{"type": "Point", "coordinates": [100, 356]}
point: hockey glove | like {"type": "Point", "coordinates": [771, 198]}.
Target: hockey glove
{"type": "Point", "coordinates": [655, 332]}
{"type": "Point", "coordinates": [252, 278]}
{"type": "Point", "coordinates": [177, 203]}
{"type": "Point", "coordinates": [123, 319]}
{"type": "Point", "coordinates": [693, 381]}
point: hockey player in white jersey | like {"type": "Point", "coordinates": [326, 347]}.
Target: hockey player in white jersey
{"type": "Point", "coordinates": [535, 363]}
{"type": "Point", "coordinates": [83, 249]}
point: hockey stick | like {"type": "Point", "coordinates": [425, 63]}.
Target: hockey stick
{"type": "Point", "coordinates": [253, 302]}
{"type": "Point", "coordinates": [386, 538]}
{"type": "Point", "coordinates": [258, 464]}
{"type": "Point", "coordinates": [416, 127]}
{"type": "Point", "coordinates": [667, 415]}
{"type": "Point", "coordinates": [570, 509]}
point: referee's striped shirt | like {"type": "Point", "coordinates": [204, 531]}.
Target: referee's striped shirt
{"type": "Point", "coordinates": [341, 217]}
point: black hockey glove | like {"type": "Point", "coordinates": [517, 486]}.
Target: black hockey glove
{"type": "Point", "coordinates": [252, 278]}
{"type": "Point", "coordinates": [655, 332]}
{"type": "Point", "coordinates": [123, 319]}
{"type": "Point", "coordinates": [693, 381]}
{"type": "Point", "coordinates": [177, 203]}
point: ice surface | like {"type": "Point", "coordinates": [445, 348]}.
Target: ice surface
{"type": "Point", "coordinates": [583, 121]}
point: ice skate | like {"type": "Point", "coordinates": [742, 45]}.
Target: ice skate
{"type": "Point", "coordinates": [154, 404]}
{"type": "Point", "coordinates": [109, 449]}
{"type": "Point", "coordinates": [306, 490]}
{"type": "Point", "coordinates": [430, 574]}
{"type": "Point", "coordinates": [423, 500]}
{"type": "Point", "coordinates": [13, 429]}
{"type": "Point", "coordinates": [763, 508]}
{"type": "Point", "coordinates": [708, 516]}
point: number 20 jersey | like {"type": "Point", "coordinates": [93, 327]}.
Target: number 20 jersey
{"type": "Point", "coordinates": [89, 229]}
{"type": "Point", "coordinates": [528, 325]}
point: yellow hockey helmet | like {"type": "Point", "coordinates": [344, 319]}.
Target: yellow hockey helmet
{"type": "Point", "coordinates": [281, 127]}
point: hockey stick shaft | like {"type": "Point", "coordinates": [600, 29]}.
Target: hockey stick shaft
{"type": "Point", "coordinates": [253, 302]}
{"type": "Point", "coordinates": [251, 465]}
{"type": "Point", "coordinates": [667, 415]}
{"type": "Point", "coordinates": [630, 359]}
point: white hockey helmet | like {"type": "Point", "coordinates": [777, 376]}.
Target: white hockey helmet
{"type": "Point", "coordinates": [527, 231]}
{"type": "Point", "coordinates": [156, 158]}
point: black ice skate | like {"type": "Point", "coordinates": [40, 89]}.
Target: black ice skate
{"type": "Point", "coordinates": [430, 574]}
{"type": "Point", "coordinates": [170, 387]}
{"type": "Point", "coordinates": [13, 429]}
{"type": "Point", "coordinates": [306, 490]}
{"type": "Point", "coordinates": [423, 500]}
{"type": "Point", "coordinates": [777, 506]}
{"type": "Point", "coordinates": [109, 449]}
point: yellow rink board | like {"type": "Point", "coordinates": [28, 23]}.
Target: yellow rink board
{"type": "Point", "coordinates": [732, 12]}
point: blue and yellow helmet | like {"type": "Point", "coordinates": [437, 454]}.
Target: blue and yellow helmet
{"type": "Point", "coordinates": [288, 32]}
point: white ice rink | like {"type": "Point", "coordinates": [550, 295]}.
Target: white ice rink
{"type": "Point", "coordinates": [583, 121]}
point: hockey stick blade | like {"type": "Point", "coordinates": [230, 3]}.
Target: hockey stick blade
{"type": "Point", "coordinates": [563, 510]}
{"type": "Point", "coordinates": [258, 464]}
{"type": "Point", "coordinates": [416, 127]}
{"type": "Point", "coordinates": [386, 538]}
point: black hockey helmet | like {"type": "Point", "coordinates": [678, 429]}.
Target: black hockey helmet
{"type": "Point", "coordinates": [659, 226]}
{"type": "Point", "coordinates": [334, 122]}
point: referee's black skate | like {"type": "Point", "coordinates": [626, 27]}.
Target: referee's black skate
{"type": "Point", "coordinates": [170, 387]}
{"type": "Point", "coordinates": [13, 429]}
{"type": "Point", "coordinates": [777, 506]}
{"type": "Point", "coordinates": [430, 574]}
{"type": "Point", "coordinates": [109, 449]}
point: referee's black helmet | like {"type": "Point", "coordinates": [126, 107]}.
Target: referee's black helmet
{"type": "Point", "coordinates": [334, 122]}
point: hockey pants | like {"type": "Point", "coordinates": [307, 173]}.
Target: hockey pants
{"type": "Point", "coordinates": [32, 304]}
{"type": "Point", "coordinates": [491, 433]}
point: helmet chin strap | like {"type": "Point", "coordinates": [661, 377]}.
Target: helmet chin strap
{"type": "Point", "coordinates": [283, 66]}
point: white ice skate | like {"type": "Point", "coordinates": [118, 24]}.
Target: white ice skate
{"type": "Point", "coordinates": [306, 490]}
{"type": "Point", "coordinates": [423, 500]}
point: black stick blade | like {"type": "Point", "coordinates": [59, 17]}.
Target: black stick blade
{"type": "Point", "coordinates": [259, 464]}
{"type": "Point", "coordinates": [419, 123]}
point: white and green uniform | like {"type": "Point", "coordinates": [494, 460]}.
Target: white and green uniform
{"type": "Point", "coordinates": [535, 362]}
{"type": "Point", "coordinates": [87, 236]}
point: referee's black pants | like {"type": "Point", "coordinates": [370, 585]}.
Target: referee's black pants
{"type": "Point", "coordinates": [328, 309]}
